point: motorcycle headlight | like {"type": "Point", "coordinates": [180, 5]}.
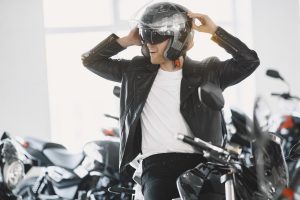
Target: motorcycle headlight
{"type": "Point", "coordinates": [13, 173]}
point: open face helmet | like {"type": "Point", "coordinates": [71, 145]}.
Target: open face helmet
{"type": "Point", "coordinates": [161, 21]}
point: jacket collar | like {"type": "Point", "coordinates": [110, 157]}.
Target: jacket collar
{"type": "Point", "coordinates": [193, 72]}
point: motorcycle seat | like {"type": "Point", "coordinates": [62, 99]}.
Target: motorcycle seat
{"type": "Point", "coordinates": [64, 158]}
{"type": "Point", "coordinates": [40, 145]}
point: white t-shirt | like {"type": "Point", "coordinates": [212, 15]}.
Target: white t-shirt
{"type": "Point", "coordinates": [161, 119]}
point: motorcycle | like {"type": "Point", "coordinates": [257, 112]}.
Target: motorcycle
{"type": "Point", "coordinates": [263, 176]}
{"type": "Point", "coordinates": [284, 122]}
{"type": "Point", "coordinates": [258, 171]}
{"type": "Point", "coordinates": [11, 167]}
{"type": "Point", "coordinates": [288, 124]}
{"type": "Point", "coordinates": [63, 175]}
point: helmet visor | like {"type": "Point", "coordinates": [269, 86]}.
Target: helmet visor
{"type": "Point", "coordinates": [152, 36]}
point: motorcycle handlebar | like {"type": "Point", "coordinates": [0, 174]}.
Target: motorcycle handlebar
{"type": "Point", "coordinates": [197, 142]}
{"type": "Point", "coordinates": [285, 96]}
{"type": "Point", "coordinates": [276, 94]}
{"type": "Point", "coordinates": [110, 116]}
{"type": "Point", "coordinates": [216, 154]}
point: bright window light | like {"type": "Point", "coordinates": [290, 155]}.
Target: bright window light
{"type": "Point", "coordinates": [77, 13]}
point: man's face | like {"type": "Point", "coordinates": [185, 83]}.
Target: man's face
{"type": "Point", "coordinates": [157, 52]}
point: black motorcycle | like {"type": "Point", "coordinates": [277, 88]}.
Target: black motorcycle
{"type": "Point", "coordinates": [11, 167]}
{"type": "Point", "coordinates": [260, 172]}
{"type": "Point", "coordinates": [288, 124]}
{"type": "Point", "coordinates": [265, 179]}
{"type": "Point", "coordinates": [283, 121]}
{"type": "Point", "coordinates": [84, 176]}
{"type": "Point", "coordinates": [64, 175]}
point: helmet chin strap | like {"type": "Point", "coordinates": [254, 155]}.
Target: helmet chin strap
{"type": "Point", "coordinates": [176, 63]}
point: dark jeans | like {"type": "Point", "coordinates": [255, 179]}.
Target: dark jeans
{"type": "Point", "coordinates": [160, 172]}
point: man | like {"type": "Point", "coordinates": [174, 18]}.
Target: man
{"type": "Point", "coordinates": [159, 91]}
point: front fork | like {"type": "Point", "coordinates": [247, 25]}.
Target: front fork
{"type": "Point", "coordinates": [229, 186]}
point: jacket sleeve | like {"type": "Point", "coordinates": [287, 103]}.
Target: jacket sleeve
{"type": "Point", "coordinates": [98, 59]}
{"type": "Point", "coordinates": [243, 63]}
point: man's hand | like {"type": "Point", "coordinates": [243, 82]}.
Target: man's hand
{"type": "Point", "coordinates": [133, 38]}
{"type": "Point", "coordinates": [207, 25]}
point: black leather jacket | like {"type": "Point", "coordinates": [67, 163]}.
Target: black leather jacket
{"type": "Point", "coordinates": [137, 75]}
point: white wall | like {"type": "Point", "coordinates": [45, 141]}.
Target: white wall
{"type": "Point", "coordinates": [276, 26]}
{"type": "Point", "coordinates": [24, 104]}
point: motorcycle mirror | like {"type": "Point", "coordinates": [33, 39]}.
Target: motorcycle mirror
{"type": "Point", "coordinates": [294, 153]}
{"type": "Point", "coordinates": [212, 96]}
{"type": "Point", "coordinates": [274, 74]}
{"type": "Point", "coordinates": [116, 91]}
